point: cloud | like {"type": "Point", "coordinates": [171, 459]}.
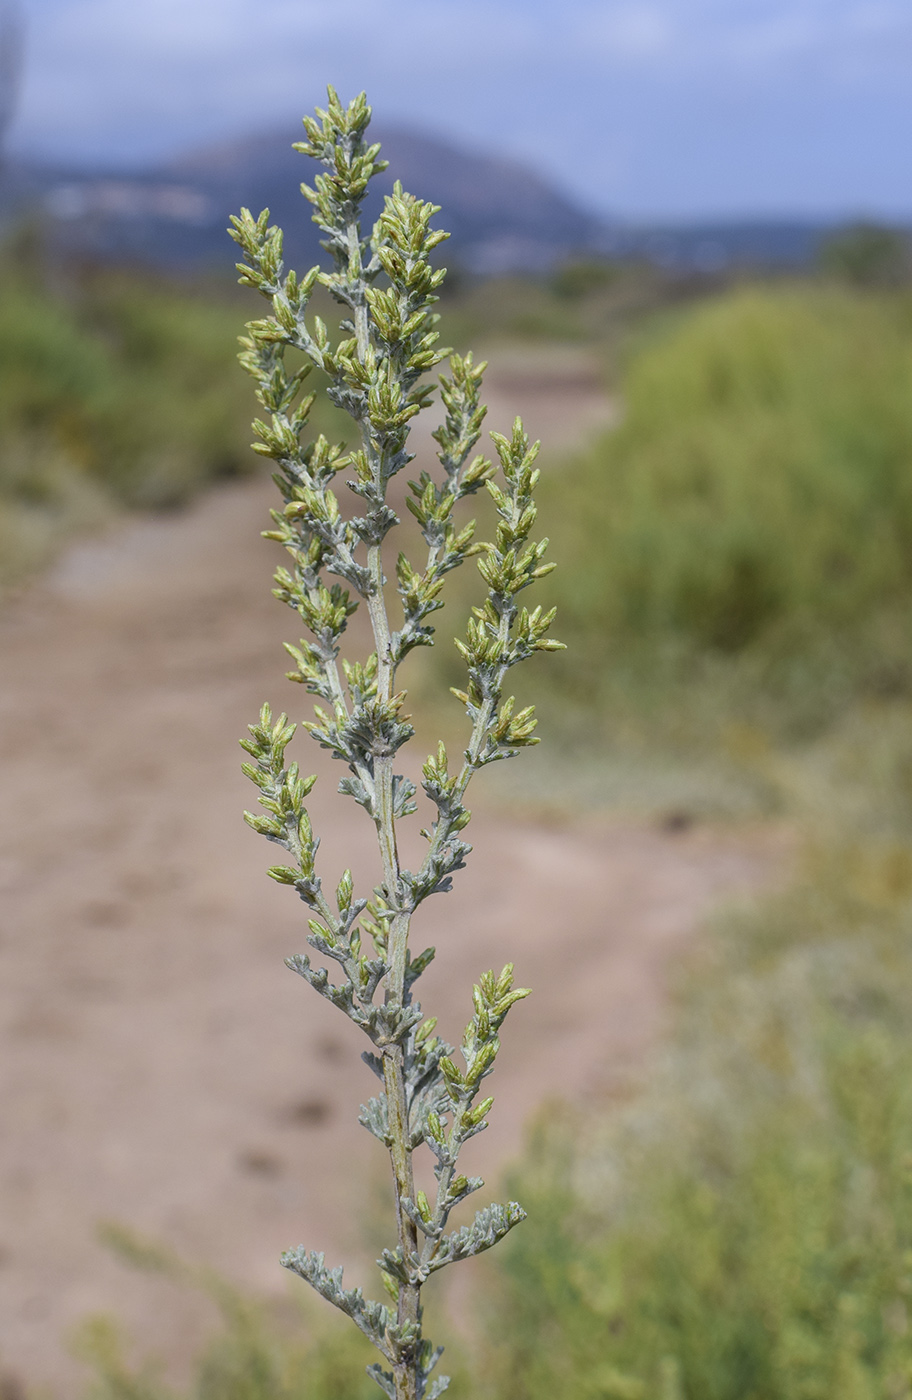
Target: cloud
{"type": "Point", "coordinates": [630, 31]}
{"type": "Point", "coordinates": [715, 38]}
{"type": "Point", "coordinates": [108, 78]}
{"type": "Point", "coordinates": [617, 99]}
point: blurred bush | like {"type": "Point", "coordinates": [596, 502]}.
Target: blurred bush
{"type": "Point", "coordinates": [114, 391]}
{"type": "Point", "coordinates": [582, 277]}
{"type": "Point", "coordinates": [746, 533]}
{"type": "Point", "coordinates": [743, 1229]}
{"type": "Point", "coordinates": [250, 1359]}
{"type": "Point", "coordinates": [291, 1351]}
{"type": "Point", "coordinates": [117, 389]}
{"type": "Point", "coordinates": [736, 569]}
{"type": "Point", "coordinates": [868, 254]}
{"type": "Point", "coordinates": [255, 1355]}
{"type": "Point", "coordinates": [589, 302]}
{"type": "Point", "coordinates": [763, 473]}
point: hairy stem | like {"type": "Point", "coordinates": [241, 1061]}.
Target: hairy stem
{"type": "Point", "coordinates": [376, 373]}
{"type": "Point", "coordinates": [409, 1305]}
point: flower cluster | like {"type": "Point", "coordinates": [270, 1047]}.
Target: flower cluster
{"type": "Point", "coordinates": [378, 370]}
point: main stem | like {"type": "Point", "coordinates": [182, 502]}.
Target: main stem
{"type": "Point", "coordinates": [405, 1372]}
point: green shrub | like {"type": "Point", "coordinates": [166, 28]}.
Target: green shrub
{"type": "Point", "coordinates": [582, 276]}
{"type": "Point", "coordinates": [116, 390]}
{"type": "Point", "coordinates": [742, 1231]}
{"type": "Point", "coordinates": [738, 569]}
{"type": "Point", "coordinates": [259, 1352]}
{"type": "Point", "coordinates": [868, 255]}
{"type": "Point", "coordinates": [252, 1357]}
{"type": "Point", "coordinates": [762, 477]}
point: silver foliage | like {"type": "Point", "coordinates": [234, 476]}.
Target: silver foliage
{"type": "Point", "coordinates": [378, 373]}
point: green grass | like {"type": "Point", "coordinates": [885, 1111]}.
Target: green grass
{"type": "Point", "coordinates": [738, 1226]}
{"type": "Point", "coordinates": [761, 479]}
{"type": "Point", "coordinates": [743, 1229]}
{"type": "Point", "coordinates": [735, 560]}
{"type": "Point", "coordinates": [735, 584]}
{"type": "Point", "coordinates": [117, 390]}
{"type": "Point", "coordinates": [738, 600]}
{"type": "Point", "coordinates": [294, 1351]}
{"type": "Point", "coordinates": [250, 1358]}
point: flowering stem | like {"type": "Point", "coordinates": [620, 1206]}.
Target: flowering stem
{"type": "Point", "coordinates": [387, 286]}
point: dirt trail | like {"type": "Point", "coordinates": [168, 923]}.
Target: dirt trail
{"type": "Point", "coordinates": [159, 1065]}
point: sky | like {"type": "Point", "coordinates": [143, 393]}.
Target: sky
{"type": "Point", "coordinates": [642, 109]}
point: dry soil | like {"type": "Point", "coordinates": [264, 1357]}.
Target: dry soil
{"type": "Point", "coordinates": [159, 1066]}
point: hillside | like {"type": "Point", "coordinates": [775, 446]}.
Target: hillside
{"type": "Point", "coordinates": [503, 215]}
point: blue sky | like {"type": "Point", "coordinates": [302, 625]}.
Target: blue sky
{"type": "Point", "coordinates": [642, 108]}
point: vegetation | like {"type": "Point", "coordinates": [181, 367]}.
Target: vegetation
{"type": "Point", "coordinates": [742, 1230]}
{"type": "Point", "coordinates": [740, 1227]}
{"type": "Point", "coordinates": [252, 1357]}
{"type": "Point", "coordinates": [386, 285]}
{"type": "Point", "coordinates": [737, 593]}
{"type": "Point", "coordinates": [740, 570]}
{"type": "Point", "coordinates": [745, 1228]}
{"type": "Point", "coordinates": [117, 390]}
{"type": "Point", "coordinates": [868, 255]}
{"type": "Point", "coordinates": [760, 479]}
{"type": "Point", "coordinates": [590, 302]}
{"type": "Point", "coordinates": [114, 392]}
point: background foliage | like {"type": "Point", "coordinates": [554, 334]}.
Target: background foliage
{"type": "Point", "coordinates": [117, 390]}
{"type": "Point", "coordinates": [736, 586]}
{"type": "Point", "coordinates": [745, 1228]}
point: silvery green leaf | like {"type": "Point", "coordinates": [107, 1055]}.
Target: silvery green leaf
{"type": "Point", "coordinates": [489, 1226]}
{"type": "Point", "coordinates": [384, 1379]}
{"type": "Point", "coordinates": [376, 366]}
{"type": "Point", "coordinates": [373, 1319]}
{"type": "Point", "coordinates": [375, 1118]}
{"type": "Point", "coordinates": [374, 1062]}
{"type": "Point", "coordinates": [354, 787]}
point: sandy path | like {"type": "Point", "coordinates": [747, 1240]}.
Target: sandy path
{"type": "Point", "coordinates": [159, 1065]}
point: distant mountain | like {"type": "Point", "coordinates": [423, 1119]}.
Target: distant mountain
{"type": "Point", "coordinates": [711, 247]}
{"type": "Point", "coordinates": [503, 216]}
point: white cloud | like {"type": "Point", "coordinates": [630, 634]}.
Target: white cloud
{"type": "Point", "coordinates": [602, 92]}
{"type": "Point", "coordinates": [105, 75]}
{"type": "Point", "coordinates": [719, 39]}
{"type": "Point", "coordinates": [628, 31]}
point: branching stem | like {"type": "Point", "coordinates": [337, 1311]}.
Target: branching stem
{"type": "Point", "coordinates": [376, 376]}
